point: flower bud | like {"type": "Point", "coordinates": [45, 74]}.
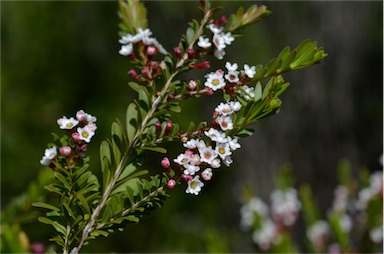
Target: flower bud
{"type": "Point", "coordinates": [144, 72]}
{"type": "Point", "coordinates": [188, 153]}
{"type": "Point", "coordinates": [192, 85]}
{"type": "Point", "coordinates": [177, 51]}
{"type": "Point", "coordinates": [171, 184]}
{"type": "Point", "coordinates": [207, 174]}
{"type": "Point", "coordinates": [65, 150]}
{"type": "Point", "coordinates": [81, 116]}
{"type": "Point", "coordinates": [222, 21]}
{"type": "Point", "coordinates": [165, 163]}
{"type": "Point", "coordinates": [186, 178]}
{"type": "Point", "coordinates": [158, 126]}
{"type": "Point", "coordinates": [208, 91]}
{"type": "Point", "coordinates": [82, 148]}
{"type": "Point", "coordinates": [171, 96]}
{"type": "Point", "coordinates": [190, 53]}
{"type": "Point", "coordinates": [76, 137]}
{"type": "Point", "coordinates": [151, 51]}
{"type": "Point", "coordinates": [168, 126]}
{"type": "Point", "coordinates": [201, 65]}
{"type": "Point", "coordinates": [154, 65]}
{"type": "Point", "coordinates": [132, 73]}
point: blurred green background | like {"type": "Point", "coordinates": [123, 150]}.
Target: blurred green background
{"type": "Point", "coordinates": [62, 56]}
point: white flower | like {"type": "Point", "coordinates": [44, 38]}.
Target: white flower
{"type": "Point", "coordinates": [182, 159]}
{"type": "Point", "coordinates": [232, 76]}
{"type": "Point", "coordinates": [236, 106]}
{"type": "Point", "coordinates": [219, 54]}
{"type": "Point", "coordinates": [92, 126]}
{"type": "Point", "coordinates": [231, 67]}
{"type": "Point", "coordinates": [223, 150]}
{"type": "Point", "coordinates": [345, 223]}
{"type": "Point", "coordinates": [190, 169]}
{"type": "Point", "coordinates": [85, 133]}
{"type": "Point", "coordinates": [215, 81]}
{"type": "Point", "coordinates": [191, 144]}
{"type": "Point", "coordinates": [317, 231]}
{"type": "Point", "coordinates": [228, 161]}
{"type": "Point", "coordinates": [249, 71]}
{"type": "Point", "coordinates": [285, 205]}
{"type": "Point", "coordinates": [216, 163]}
{"type": "Point", "coordinates": [90, 118]}
{"type": "Point", "coordinates": [126, 39]}
{"type": "Point", "coordinates": [207, 154]}
{"type": "Point", "coordinates": [194, 185]}
{"type": "Point", "coordinates": [219, 41]}
{"type": "Point", "coordinates": [266, 235]}
{"type": "Point", "coordinates": [126, 50]}
{"type": "Point", "coordinates": [207, 174]}
{"type": "Point", "coordinates": [216, 135]}
{"type": "Point", "coordinates": [203, 43]}
{"type": "Point", "coordinates": [247, 92]}
{"type": "Point", "coordinates": [224, 109]}
{"type": "Point", "coordinates": [225, 122]}
{"type": "Point", "coordinates": [49, 154]}
{"type": "Point", "coordinates": [376, 234]}
{"type": "Point", "coordinates": [214, 29]}
{"type": "Point", "coordinates": [228, 38]}
{"type": "Point", "coordinates": [67, 124]}
{"type": "Point", "coordinates": [195, 160]}
{"type": "Point", "coordinates": [233, 143]}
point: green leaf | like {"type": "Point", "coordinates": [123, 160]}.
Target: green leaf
{"type": "Point", "coordinates": [258, 91]}
{"type": "Point", "coordinates": [62, 179]}
{"type": "Point", "coordinates": [59, 228]}
{"type": "Point", "coordinates": [245, 133]}
{"type": "Point", "coordinates": [190, 35]}
{"type": "Point", "coordinates": [44, 205]}
{"type": "Point", "coordinates": [127, 171]}
{"type": "Point", "coordinates": [133, 15]}
{"type": "Point", "coordinates": [155, 149]}
{"type": "Point", "coordinates": [132, 121]}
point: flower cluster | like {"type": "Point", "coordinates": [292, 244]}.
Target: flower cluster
{"type": "Point", "coordinates": [142, 37]}
{"type": "Point", "coordinates": [348, 215]}
{"type": "Point", "coordinates": [81, 128]}
{"type": "Point", "coordinates": [220, 39]}
{"type": "Point", "coordinates": [233, 81]}
{"type": "Point", "coordinates": [267, 230]}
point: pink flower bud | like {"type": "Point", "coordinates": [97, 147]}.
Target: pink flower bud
{"type": "Point", "coordinates": [81, 116]}
{"type": "Point", "coordinates": [158, 126]}
{"type": "Point", "coordinates": [192, 85]}
{"type": "Point", "coordinates": [171, 96]}
{"type": "Point", "coordinates": [222, 21]}
{"type": "Point", "coordinates": [144, 72]}
{"type": "Point", "coordinates": [76, 137]}
{"type": "Point", "coordinates": [188, 153]}
{"type": "Point", "coordinates": [186, 178]}
{"type": "Point", "coordinates": [177, 51]}
{"type": "Point", "coordinates": [208, 91]}
{"type": "Point", "coordinates": [190, 53]}
{"type": "Point", "coordinates": [165, 163]}
{"type": "Point", "coordinates": [38, 248]}
{"type": "Point", "coordinates": [132, 73]}
{"type": "Point", "coordinates": [65, 150]}
{"type": "Point", "coordinates": [219, 72]}
{"type": "Point", "coordinates": [154, 65]}
{"type": "Point", "coordinates": [201, 65]}
{"type": "Point", "coordinates": [152, 51]}
{"type": "Point", "coordinates": [82, 148]}
{"type": "Point", "coordinates": [168, 126]}
{"type": "Point", "coordinates": [171, 184]}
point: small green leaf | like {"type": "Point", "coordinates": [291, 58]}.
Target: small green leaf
{"type": "Point", "coordinates": [258, 91]}
{"type": "Point", "coordinates": [132, 121]}
{"type": "Point", "coordinates": [155, 149]}
{"type": "Point", "coordinates": [44, 205]}
{"type": "Point", "coordinates": [245, 133]}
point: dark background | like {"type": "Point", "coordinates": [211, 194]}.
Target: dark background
{"type": "Point", "coordinates": [59, 57]}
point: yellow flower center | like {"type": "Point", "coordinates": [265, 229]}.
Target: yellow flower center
{"type": "Point", "coordinates": [69, 125]}
{"type": "Point", "coordinates": [194, 184]}
{"type": "Point", "coordinates": [222, 150]}
{"type": "Point", "coordinates": [85, 134]}
{"type": "Point", "coordinates": [215, 82]}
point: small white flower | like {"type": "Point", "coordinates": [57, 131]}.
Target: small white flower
{"type": "Point", "coordinates": [317, 231]}
{"type": "Point", "coordinates": [222, 149]}
{"type": "Point", "coordinates": [204, 43]}
{"type": "Point", "coordinates": [232, 76]}
{"type": "Point", "coordinates": [216, 135]}
{"type": "Point", "coordinates": [190, 169]}
{"type": "Point", "coordinates": [233, 143]}
{"type": "Point", "coordinates": [249, 71]}
{"type": "Point", "coordinates": [219, 54]}
{"type": "Point", "coordinates": [376, 234]}
{"type": "Point", "coordinates": [224, 109]}
{"type": "Point", "coordinates": [247, 212]}
{"type": "Point", "coordinates": [182, 159]}
{"type": "Point", "coordinates": [285, 205]}
{"type": "Point", "coordinates": [228, 38]}
{"type": "Point", "coordinates": [207, 154]}
{"type": "Point", "coordinates": [92, 126]}
{"type": "Point", "coordinates": [85, 133]}
{"type": "Point", "coordinates": [214, 29]}
{"type": "Point", "coordinates": [266, 235]}
{"type": "Point", "coordinates": [90, 118]}
{"type": "Point", "coordinates": [215, 81]}
{"type": "Point", "coordinates": [225, 122]}
{"type": "Point", "coordinates": [207, 174]}
{"type": "Point", "coordinates": [216, 163]}
{"type": "Point", "coordinates": [231, 67]}
{"type": "Point", "coordinates": [49, 154]}
{"type": "Point", "coordinates": [235, 105]}
{"type": "Point", "coordinates": [191, 144]}
{"type": "Point", "coordinates": [126, 50]}
{"type": "Point", "coordinates": [194, 185]}
{"type": "Point", "coordinates": [219, 41]}
{"type": "Point", "coordinates": [67, 124]}
{"type": "Point", "coordinates": [195, 160]}
{"type": "Point", "coordinates": [246, 92]}
{"type": "Point", "coordinates": [228, 161]}
{"type": "Point", "coordinates": [126, 39]}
